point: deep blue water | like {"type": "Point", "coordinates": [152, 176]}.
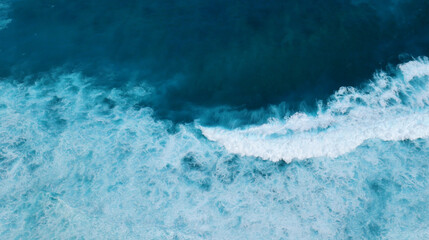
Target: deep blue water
{"type": "Point", "coordinates": [218, 119]}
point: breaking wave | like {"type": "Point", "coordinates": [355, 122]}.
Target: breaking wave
{"type": "Point", "coordinates": [390, 108]}
{"type": "Point", "coordinates": [79, 161]}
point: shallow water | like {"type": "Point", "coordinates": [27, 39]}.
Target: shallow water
{"type": "Point", "coordinates": [214, 120]}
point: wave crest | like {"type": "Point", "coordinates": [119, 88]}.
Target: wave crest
{"type": "Point", "coordinates": [389, 108]}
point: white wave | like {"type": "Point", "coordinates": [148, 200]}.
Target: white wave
{"type": "Point", "coordinates": [389, 108]}
{"type": "Point", "coordinates": [79, 161]}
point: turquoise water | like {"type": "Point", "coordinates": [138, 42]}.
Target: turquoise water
{"type": "Point", "coordinates": [214, 120]}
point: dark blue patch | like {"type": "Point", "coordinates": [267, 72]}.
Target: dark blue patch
{"type": "Point", "coordinates": [209, 53]}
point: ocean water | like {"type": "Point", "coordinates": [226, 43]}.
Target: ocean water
{"type": "Point", "coordinates": [214, 119]}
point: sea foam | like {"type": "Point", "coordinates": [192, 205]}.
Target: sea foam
{"type": "Point", "coordinates": [79, 161]}
{"type": "Point", "coordinates": [389, 108]}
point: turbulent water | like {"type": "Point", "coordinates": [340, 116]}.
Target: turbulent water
{"type": "Point", "coordinates": [389, 108]}
{"type": "Point", "coordinates": [102, 142]}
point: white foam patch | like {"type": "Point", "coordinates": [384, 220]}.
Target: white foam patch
{"type": "Point", "coordinates": [85, 162]}
{"type": "Point", "coordinates": [388, 108]}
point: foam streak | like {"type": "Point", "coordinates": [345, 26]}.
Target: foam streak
{"type": "Point", "coordinates": [389, 108]}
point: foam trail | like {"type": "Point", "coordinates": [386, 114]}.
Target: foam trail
{"type": "Point", "coordinates": [389, 108]}
{"type": "Point", "coordinates": [84, 162]}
